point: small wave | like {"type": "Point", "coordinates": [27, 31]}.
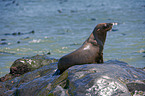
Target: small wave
{"type": "Point", "coordinates": [35, 41]}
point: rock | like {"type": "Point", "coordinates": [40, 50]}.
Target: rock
{"type": "Point", "coordinates": [7, 34]}
{"type": "Point", "coordinates": [13, 1]}
{"type": "Point", "coordinates": [26, 38]}
{"type": "Point", "coordinates": [93, 19]}
{"type": "Point", "coordinates": [6, 77]}
{"type": "Point", "coordinates": [73, 11]}
{"type": "Point", "coordinates": [2, 39]}
{"type": "Point", "coordinates": [18, 42]}
{"type": "Point", "coordinates": [20, 33]}
{"type": "Point", "coordinates": [108, 79]}
{"type": "Point", "coordinates": [32, 81]}
{"type": "Point", "coordinates": [32, 32]}
{"type": "Point", "coordinates": [48, 53]}
{"type": "Point", "coordinates": [24, 65]}
{"type": "Point", "coordinates": [60, 11]}
{"type": "Point", "coordinates": [6, 53]}
{"type": "Point", "coordinates": [17, 4]}
{"type": "Point", "coordinates": [3, 43]}
{"type": "Point", "coordinates": [113, 78]}
{"type": "Point", "coordinates": [14, 34]}
{"type": "Point", "coordinates": [123, 34]}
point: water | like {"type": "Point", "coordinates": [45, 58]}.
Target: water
{"type": "Point", "coordinates": [61, 26]}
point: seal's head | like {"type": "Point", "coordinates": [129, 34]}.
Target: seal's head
{"type": "Point", "coordinates": [104, 27]}
{"type": "Point", "coordinates": [100, 31]}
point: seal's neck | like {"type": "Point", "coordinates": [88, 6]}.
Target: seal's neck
{"type": "Point", "coordinates": [100, 35]}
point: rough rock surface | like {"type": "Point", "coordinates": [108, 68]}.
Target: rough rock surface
{"type": "Point", "coordinates": [26, 64]}
{"type": "Point", "coordinates": [113, 78]}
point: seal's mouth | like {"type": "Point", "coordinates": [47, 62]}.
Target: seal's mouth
{"type": "Point", "coordinates": [111, 25]}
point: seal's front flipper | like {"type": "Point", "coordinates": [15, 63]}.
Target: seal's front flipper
{"type": "Point", "coordinates": [57, 72]}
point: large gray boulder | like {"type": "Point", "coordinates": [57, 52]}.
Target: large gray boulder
{"type": "Point", "coordinates": [112, 78]}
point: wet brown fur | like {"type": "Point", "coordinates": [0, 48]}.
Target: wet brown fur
{"type": "Point", "coordinates": [94, 54]}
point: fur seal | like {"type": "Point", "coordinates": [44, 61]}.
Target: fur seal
{"type": "Point", "coordinates": [91, 50]}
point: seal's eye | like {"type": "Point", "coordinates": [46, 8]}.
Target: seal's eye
{"type": "Point", "coordinates": [105, 26]}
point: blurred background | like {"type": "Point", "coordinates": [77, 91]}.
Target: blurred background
{"type": "Point", "coordinates": [58, 27]}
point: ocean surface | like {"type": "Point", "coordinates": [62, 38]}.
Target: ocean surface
{"type": "Point", "coordinates": [30, 27]}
